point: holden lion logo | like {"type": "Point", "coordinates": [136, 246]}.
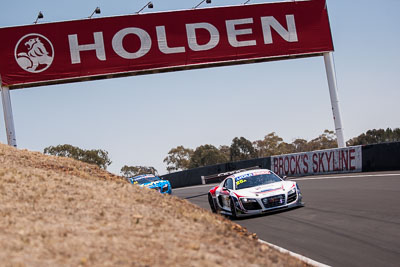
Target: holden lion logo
{"type": "Point", "coordinates": [34, 53]}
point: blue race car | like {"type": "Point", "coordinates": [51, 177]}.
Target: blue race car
{"type": "Point", "coordinates": [153, 182]}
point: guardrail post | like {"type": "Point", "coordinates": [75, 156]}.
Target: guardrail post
{"type": "Point", "coordinates": [8, 116]}
{"type": "Point", "coordinates": [330, 73]}
{"type": "Point", "coordinates": [203, 181]}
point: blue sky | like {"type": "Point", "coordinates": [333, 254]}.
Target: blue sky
{"type": "Point", "coordinates": [139, 119]}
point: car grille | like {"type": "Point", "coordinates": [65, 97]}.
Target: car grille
{"type": "Point", "coordinates": [291, 197]}
{"type": "Point", "coordinates": [251, 206]}
{"type": "Point", "coordinates": [164, 189]}
{"type": "Point", "coordinates": [274, 201]}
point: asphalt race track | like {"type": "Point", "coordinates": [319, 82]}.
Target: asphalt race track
{"type": "Point", "coordinates": [348, 219]}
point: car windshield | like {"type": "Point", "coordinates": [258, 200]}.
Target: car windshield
{"type": "Point", "coordinates": [255, 179]}
{"type": "Point", "coordinates": [145, 180]}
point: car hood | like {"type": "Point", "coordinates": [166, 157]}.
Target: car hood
{"type": "Point", "coordinates": [155, 184]}
{"type": "Point", "coordinates": [266, 190]}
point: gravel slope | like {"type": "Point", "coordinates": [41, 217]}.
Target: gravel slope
{"type": "Point", "coordinates": [60, 212]}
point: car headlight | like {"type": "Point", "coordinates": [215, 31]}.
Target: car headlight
{"type": "Point", "coordinates": [292, 191]}
{"type": "Point", "coordinates": [248, 200]}
{"type": "Point", "coordinates": [165, 186]}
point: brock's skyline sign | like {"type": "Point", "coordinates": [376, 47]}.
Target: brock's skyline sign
{"type": "Point", "coordinates": [119, 46]}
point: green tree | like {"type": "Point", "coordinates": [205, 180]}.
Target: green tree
{"type": "Point", "coordinates": [285, 148]}
{"type": "Point", "coordinates": [131, 171]}
{"type": "Point", "coordinates": [300, 145]}
{"type": "Point", "coordinates": [178, 158]}
{"type": "Point", "coordinates": [207, 155]}
{"type": "Point", "coordinates": [375, 136]}
{"type": "Point", "coordinates": [226, 150]}
{"type": "Point", "coordinates": [242, 149]}
{"type": "Point", "coordinates": [324, 141]}
{"type": "Point", "coordinates": [268, 146]}
{"type": "Point", "coordinates": [95, 156]}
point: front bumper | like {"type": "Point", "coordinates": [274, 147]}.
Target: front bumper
{"type": "Point", "coordinates": [269, 204]}
{"type": "Point", "coordinates": [163, 189]}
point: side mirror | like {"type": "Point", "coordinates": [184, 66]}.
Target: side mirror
{"type": "Point", "coordinates": [226, 189]}
{"type": "Point", "coordinates": [284, 177]}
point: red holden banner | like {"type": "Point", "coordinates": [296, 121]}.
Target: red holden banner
{"type": "Point", "coordinates": [119, 46]}
{"type": "Point", "coordinates": [339, 160]}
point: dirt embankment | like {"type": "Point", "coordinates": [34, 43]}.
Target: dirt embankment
{"type": "Point", "coordinates": [61, 212]}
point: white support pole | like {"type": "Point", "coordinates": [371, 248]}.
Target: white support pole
{"type": "Point", "coordinates": [330, 73]}
{"type": "Point", "coordinates": [8, 116]}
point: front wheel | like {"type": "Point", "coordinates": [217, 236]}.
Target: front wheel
{"type": "Point", "coordinates": [211, 202]}
{"type": "Point", "coordinates": [233, 209]}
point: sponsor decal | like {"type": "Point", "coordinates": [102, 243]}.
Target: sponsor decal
{"type": "Point", "coordinates": [268, 190]}
{"type": "Point", "coordinates": [251, 174]}
{"type": "Point", "coordinates": [244, 176]}
{"type": "Point", "coordinates": [34, 53]}
{"type": "Point", "coordinates": [165, 41]}
{"type": "Point", "coordinates": [240, 182]}
{"type": "Point", "coordinates": [340, 160]}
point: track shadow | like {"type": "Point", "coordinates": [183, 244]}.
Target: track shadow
{"type": "Point", "coordinates": [266, 214]}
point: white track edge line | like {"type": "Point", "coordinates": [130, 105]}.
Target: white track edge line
{"type": "Point", "coordinates": [298, 256]}
{"type": "Point", "coordinates": [345, 176]}
{"type": "Point", "coordinates": [303, 179]}
{"type": "Point", "coordinates": [196, 186]}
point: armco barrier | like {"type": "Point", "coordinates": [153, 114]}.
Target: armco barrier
{"type": "Point", "coordinates": [336, 160]}
{"type": "Point", "coordinates": [381, 157]}
{"type": "Point", "coordinates": [377, 157]}
{"type": "Point", "coordinates": [193, 176]}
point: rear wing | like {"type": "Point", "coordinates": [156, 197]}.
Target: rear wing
{"type": "Point", "coordinates": [219, 177]}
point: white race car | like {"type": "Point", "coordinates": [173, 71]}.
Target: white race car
{"type": "Point", "coordinates": [253, 192]}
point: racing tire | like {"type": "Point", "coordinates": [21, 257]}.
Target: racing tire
{"type": "Point", "coordinates": [212, 204]}
{"type": "Point", "coordinates": [233, 209]}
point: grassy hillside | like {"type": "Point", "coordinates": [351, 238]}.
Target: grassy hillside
{"type": "Point", "coordinates": [61, 212]}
